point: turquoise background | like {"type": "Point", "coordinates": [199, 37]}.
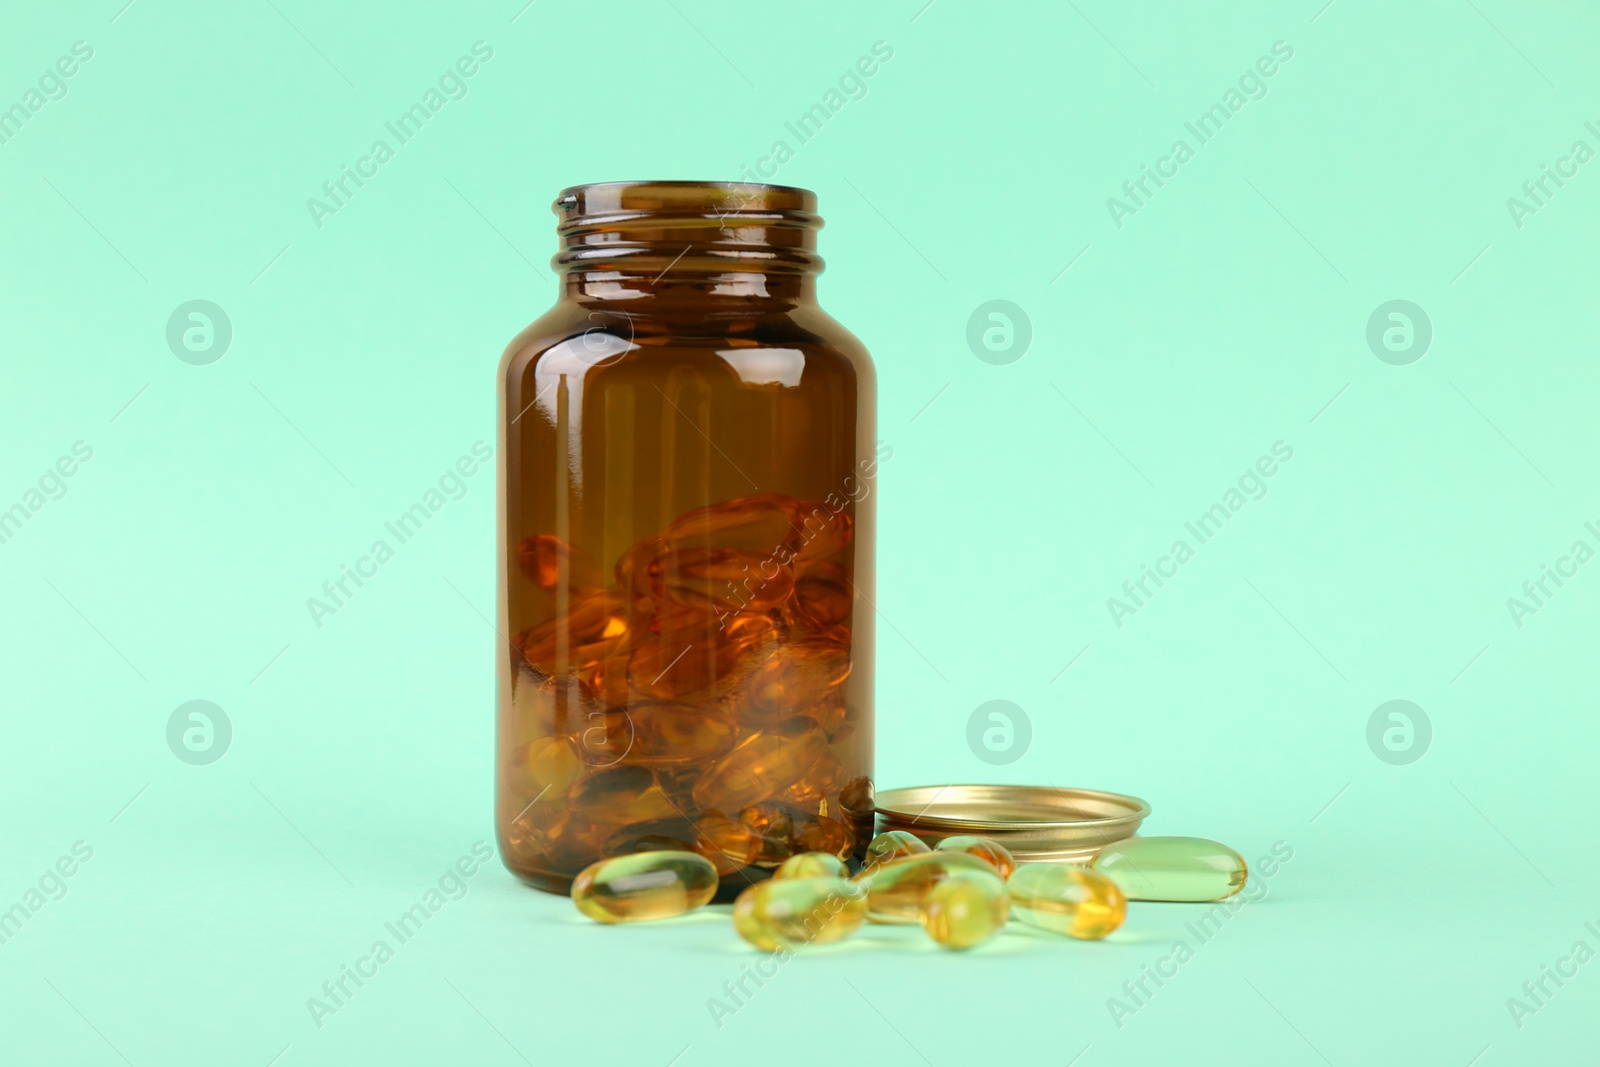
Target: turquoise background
{"type": "Point", "coordinates": [1228, 313]}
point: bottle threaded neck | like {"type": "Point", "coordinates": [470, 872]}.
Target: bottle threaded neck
{"type": "Point", "coordinates": [686, 229]}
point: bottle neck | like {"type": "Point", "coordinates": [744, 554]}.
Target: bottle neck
{"type": "Point", "coordinates": [731, 288]}
{"type": "Point", "coordinates": [674, 244]}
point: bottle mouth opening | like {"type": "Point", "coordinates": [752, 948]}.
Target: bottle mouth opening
{"type": "Point", "coordinates": [695, 226]}
{"type": "Point", "coordinates": [579, 203]}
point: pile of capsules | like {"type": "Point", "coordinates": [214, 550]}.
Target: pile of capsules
{"type": "Point", "coordinates": [656, 710]}
{"type": "Point", "coordinates": [962, 892]}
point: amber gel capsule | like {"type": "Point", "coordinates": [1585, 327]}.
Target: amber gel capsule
{"type": "Point", "coordinates": [982, 847]}
{"type": "Point", "coordinates": [892, 845]}
{"type": "Point", "coordinates": [1172, 868]}
{"type": "Point", "coordinates": [966, 909]}
{"type": "Point", "coordinates": [645, 885]}
{"type": "Point", "coordinates": [896, 890]}
{"type": "Point", "coordinates": [812, 865]}
{"type": "Point", "coordinates": [790, 912]}
{"type": "Point", "coordinates": [1067, 899]}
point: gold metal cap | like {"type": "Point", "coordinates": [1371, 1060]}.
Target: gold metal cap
{"type": "Point", "coordinates": [1037, 823]}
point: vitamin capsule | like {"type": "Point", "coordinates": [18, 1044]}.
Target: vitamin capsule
{"type": "Point", "coordinates": [823, 780]}
{"type": "Point", "coordinates": [966, 909]}
{"type": "Point", "coordinates": [819, 833]}
{"type": "Point", "coordinates": [795, 677]}
{"type": "Point", "coordinates": [1172, 868]}
{"type": "Point", "coordinates": [997, 854]}
{"type": "Point", "coordinates": [654, 733]}
{"type": "Point", "coordinates": [761, 765]}
{"type": "Point", "coordinates": [572, 842]}
{"type": "Point", "coordinates": [729, 842]}
{"type": "Point", "coordinates": [548, 562]}
{"type": "Point", "coordinates": [524, 724]}
{"type": "Point", "coordinates": [721, 578]}
{"type": "Point", "coordinates": [822, 598]}
{"type": "Point", "coordinates": [1067, 899]}
{"type": "Point", "coordinates": [823, 531]}
{"type": "Point", "coordinates": [812, 865]}
{"type": "Point", "coordinates": [605, 740]}
{"type": "Point", "coordinates": [593, 624]}
{"type": "Point", "coordinates": [793, 912]}
{"type": "Point", "coordinates": [633, 574]}
{"type": "Point", "coordinates": [761, 524]}
{"type": "Point", "coordinates": [771, 826]}
{"type": "Point", "coordinates": [544, 706]}
{"type": "Point", "coordinates": [679, 733]}
{"type": "Point", "coordinates": [607, 677]}
{"type": "Point", "coordinates": [690, 655]}
{"type": "Point", "coordinates": [783, 831]}
{"type": "Point", "coordinates": [645, 885]}
{"type": "Point", "coordinates": [897, 889]}
{"type": "Point", "coordinates": [746, 632]}
{"type": "Point", "coordinates": [894, 844]}
{"type": "Point", "coordinates": [857, 810]}
{"type": "Point", "coordinates": [671, 668]}
{"type": "Point", "coordinates": [616, 796]}
{"type": "Point", "coordinates": [550, 765]}
{"type": "Point", "coordinates": [858, 797]}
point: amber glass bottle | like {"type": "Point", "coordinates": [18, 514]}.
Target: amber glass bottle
{"type": "Point", "coordinates": [687, 479]}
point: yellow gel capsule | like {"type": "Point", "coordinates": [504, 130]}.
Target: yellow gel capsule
{"type": "Point", "coordinates": [893, 845]}
{"type": "Point", "coordinates": [1067, 899]}
{"type": "Point", "coordinates": [812, 865]}
{"type": "Point", "coordinates": [645, 885]}
{"type": "Point", "coordinates": [966, 909]}
{"type": "Point", "coordinates": [545, 764]}
{"type": "Point", "coordinates": [896, 890]}
{"type": "Point", "coordinates": [984, 848]}
{"type": "Point", "coordinates": [788, 913]}
{"type": "Point", "coordinates": [617, 796]}
{"type": "Point", "coordinates": [761, 765]}
{"type": "Point", "coordinates": [1172, 868]}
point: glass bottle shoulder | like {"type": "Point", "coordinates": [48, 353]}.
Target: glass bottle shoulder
{"type": "Point", "coordinates": [786, 347]}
